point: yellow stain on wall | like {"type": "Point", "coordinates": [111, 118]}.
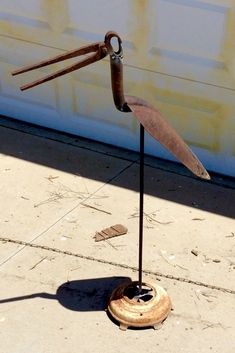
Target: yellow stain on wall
{"type": "Point", "coordinates": [57, 14]}
{"type": "Point", "coordinates": [228, 52]}
{"type": "Point", "coordinates": [139, 34]}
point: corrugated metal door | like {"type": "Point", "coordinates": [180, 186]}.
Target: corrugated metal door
{"type": "Point", "coordinates": [179, 55]}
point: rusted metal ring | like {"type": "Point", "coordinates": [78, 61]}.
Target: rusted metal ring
{"type": "Point", "coordinates": [131, 312]}
{"type": "Point", "coordinates": [108, 37]}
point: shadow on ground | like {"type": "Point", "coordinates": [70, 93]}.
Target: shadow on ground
{"type": "Point", "coordinates": [80, 160]}
{"type": "Point", "coordinates": [81, 295]}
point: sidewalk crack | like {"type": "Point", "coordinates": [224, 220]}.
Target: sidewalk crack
{"type": "Point", "coordinates": [114, 264]}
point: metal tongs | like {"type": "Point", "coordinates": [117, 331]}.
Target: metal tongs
{"type": "Point", "coordinates": [99, 49]}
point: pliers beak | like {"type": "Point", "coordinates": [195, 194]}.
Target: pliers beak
{"type": "Point", "coordinates": [99, 49]}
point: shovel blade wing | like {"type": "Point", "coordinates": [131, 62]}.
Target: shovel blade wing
{"type": "Point", "coordinates": [156, 125]}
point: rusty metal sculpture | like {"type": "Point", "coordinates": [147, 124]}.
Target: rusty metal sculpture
{"type": "Point", "coordinates": [125, 301]}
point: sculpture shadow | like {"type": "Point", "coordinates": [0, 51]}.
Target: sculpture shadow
{"type": "Point", "coordinates": [79, 295]}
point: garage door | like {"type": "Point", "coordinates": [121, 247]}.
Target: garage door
{"type": "Point", "coordinates": [179, 56]}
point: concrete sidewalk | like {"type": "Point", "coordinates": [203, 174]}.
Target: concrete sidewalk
{"type": "Point", "coordinates": [56, 192]}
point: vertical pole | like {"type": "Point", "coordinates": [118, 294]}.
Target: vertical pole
{"type": "Point", "coordinates": [141, 203]}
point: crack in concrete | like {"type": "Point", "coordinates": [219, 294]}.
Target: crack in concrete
{"type": "Point", "coordinates": [115, 264]}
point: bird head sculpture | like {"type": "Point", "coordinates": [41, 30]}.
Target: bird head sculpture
{"type": "Point", "coordinates": [149, 117]}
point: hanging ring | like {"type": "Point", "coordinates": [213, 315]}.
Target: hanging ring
{"type": "Point", "coordinates": [108, 37]}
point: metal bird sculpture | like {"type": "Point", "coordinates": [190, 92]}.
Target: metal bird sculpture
{"type": "Point", "coordinates": [150, 119]}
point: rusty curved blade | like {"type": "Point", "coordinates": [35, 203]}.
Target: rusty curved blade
{"type": "Point", "coordinates": [156, 125]}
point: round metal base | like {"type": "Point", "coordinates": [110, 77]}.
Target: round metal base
{"type": "Point", "coordinates": [134, 308]}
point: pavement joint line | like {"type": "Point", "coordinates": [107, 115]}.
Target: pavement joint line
{"type": "Point", "coordinates": [71, 210]}
{"type": "Point", "coordinates": [115, 264]}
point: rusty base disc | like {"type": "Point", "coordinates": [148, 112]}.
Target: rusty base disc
{"type": "Point", "coordinates": [134, 309]}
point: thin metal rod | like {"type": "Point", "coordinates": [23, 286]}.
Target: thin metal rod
{"type": "Point", "coordinates": [141, 203]}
